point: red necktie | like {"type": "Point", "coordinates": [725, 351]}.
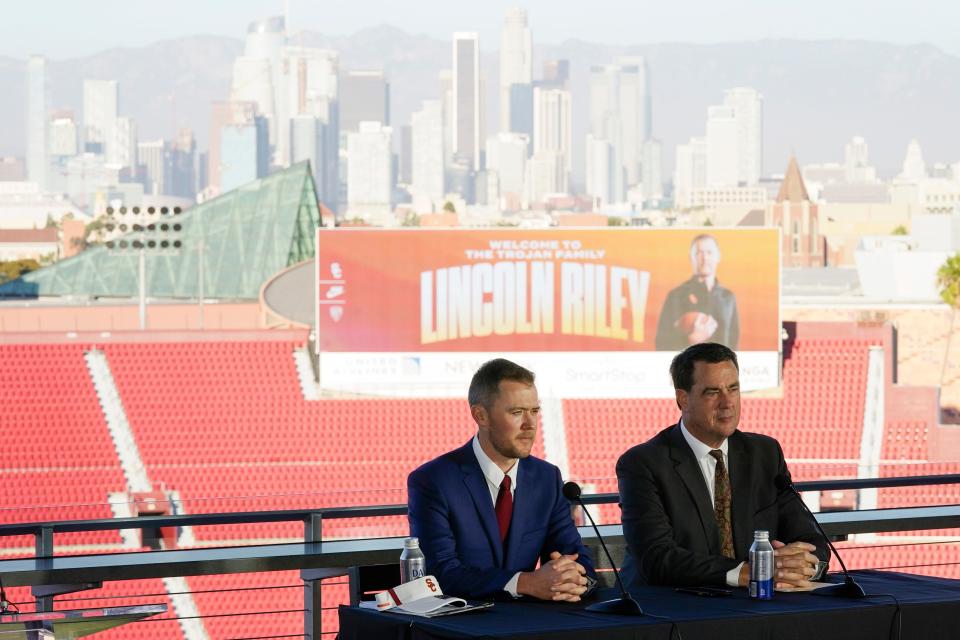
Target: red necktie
{"type": "Point", "coordinates": [504, 508]}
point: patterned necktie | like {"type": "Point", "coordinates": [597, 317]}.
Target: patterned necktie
{"type": "Point", "coordinates": [722, 498]}
{"type": "Point", "coordinates": [504, 508]}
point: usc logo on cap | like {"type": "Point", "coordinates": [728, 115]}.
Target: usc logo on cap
{"type": "Point", "coordinates": [430, 585]}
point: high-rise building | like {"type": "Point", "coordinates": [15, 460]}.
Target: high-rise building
{"type": "Point", "coordinates": [405, 156]}
{"type": "Point", "coordinates": [101, 100]}
{"type": "Point", "coordinates": [690, 172]}
{"type": "Point", "coordinates": [223, 114]}
{"type": "Point", "coordinates": [182, 176]}
{"type": "Point", "coordinates": [636, 113]}
{"type": "Point", "coordinates": [507, 158]}
{"type": "Point", "coordinates": [723, 146]}
{"type": "Point", "coordinates": [364, 97]}
{"type": "Point", "coordinates": [369, 170]}
{"type": "Point", "coordinates": [545, 175]}
{"type": "Point", "coordinates": [620, 112]}
{"type": "Point", "coordinates": [258, 78]}
{"type": "Point", "coordinates": [467, 105]}
{"type": "Point", "coordinates": [427, 179]}
{"type": "Point", "coordinates": [124, 148]}
{"type": "Point", "coordinates": [914, 167]}
{"type": "Point", "coordinates": [748, 108]}
{"type": "Point", "coordinates": [313, 89]}
{"type": "Point", "coordinates": [856, 161]}
{"type": "Point", "coordinates": [606, 123]}
{"type": "Point", "coordinates": [651, 169]}
{"type": "Point", "coordinates": [516, 67]}
{"type": "Point", "coordinates": [600, 167]}
{"type": "Point", "coordinates": [308, 141]}
{"type": "Point", "coordinates": [552, 128]}
{"type": "Point", "coordinates": [154, 157]}
{"type": "Point", "coordinates": [38, 104]}
{"type": "Point", "coordinates": [63, 136]}
{"type": "Point", "coordinates": [244, 151]}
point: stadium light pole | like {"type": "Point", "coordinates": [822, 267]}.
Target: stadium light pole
{"type": "Point", "coordinates": [159, 238]}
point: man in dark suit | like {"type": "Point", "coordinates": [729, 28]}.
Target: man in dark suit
{"type": "Point", "coordinates": [699, 309]}
{"type": "Point", "coordinates": [487, 512]}
{"type": "Point", "coordinates": [693, 495]}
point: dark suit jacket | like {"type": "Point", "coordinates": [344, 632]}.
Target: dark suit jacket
{"type": "Point", "coordinates": [450, 510]}
{"type": "Point", "coordinates": [668, 520]}
{"type": "Point", "coordinates": [692, 295]}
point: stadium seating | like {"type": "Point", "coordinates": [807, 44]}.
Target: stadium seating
{"type": "Point", "coordinates": [57, 450]}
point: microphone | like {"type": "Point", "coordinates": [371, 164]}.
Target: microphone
{"type": "Point", "coordinates": [849, 587]}
{"type": "Point", "coordinates": [625, 605]}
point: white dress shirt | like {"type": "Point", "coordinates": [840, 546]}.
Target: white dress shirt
{"type": "Point", "coordinates": [494, 476]}
{"type": "Point", "coordinates": [708, 467]}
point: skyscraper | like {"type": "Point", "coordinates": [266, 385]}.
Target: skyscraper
{"type": "Point", "coordinates": [735, 139]}
{"type": "Point", "coordinates": [364, 97]}
{"type": "Point", "coordinates": [100, 108]}
{"type": "Point", "coordinates": [600, 167]}
{"type": "Point", "coordinates": [244, 150]}
{"type": "Point", "coordinates": [691, 170]}
{"type": "Point", "coordinates": [467, 104]}
{"type": "Point", "coordinates": [552, 123]}
{"type": "Point", "coordinates": [516, 67]}
{"type": "Point", "coordinates": [620, 112]}
{"type": "Point", "coordinates": [38, 104]}
{"type": "Point", "coordinates": [258, 78]}
{"type": "Point", "coordinates": [427, 180]}
{"type": "Point", "coordinates": [748, 105]}
{"type": "Point", "coordinates": [856, 160]}
{"type": "Point", "coordinates": [507, 157]}
{"type": "Point", "coordinates": [369, 170]}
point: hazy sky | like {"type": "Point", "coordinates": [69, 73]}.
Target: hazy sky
{"type": "Point", "coordinates": [70, 28]}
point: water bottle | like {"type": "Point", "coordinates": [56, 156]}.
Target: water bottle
{"type": "Point", "coordinates": [412, 563]}
{"type": "Point", "coordinates": [761, 566]}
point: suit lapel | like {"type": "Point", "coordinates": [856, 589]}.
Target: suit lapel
{"type": "Point", "coordinates": [692, 477]}
{"type": "Point", "coordinates": [741, 487]}
{"type": "Point", "coordinates": [476, 485]}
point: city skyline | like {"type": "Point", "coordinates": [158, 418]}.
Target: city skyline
{"type": "Point", "coordinates": [27, 30]}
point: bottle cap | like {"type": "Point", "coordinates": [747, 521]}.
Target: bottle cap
{"type": "Point", "coordinates": [761, 534]}
{"type": "Point", "coordinates": [411, 543]}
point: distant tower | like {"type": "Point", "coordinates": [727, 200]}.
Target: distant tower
{"type": "Point", "coordinates": [466, 116]}
{"type": "Point", "coordinates": [799, 219]}
{"type": "Point", "coordinates": [38, 104]}
{"type": "Point", "coordinates": [100, 106]}
{"type": "Point", "coordinates": [914, 168]}
{"type": "Point", "coordinates": [516, 67]}
{"type": "Point", "coordinates": [427, 155]}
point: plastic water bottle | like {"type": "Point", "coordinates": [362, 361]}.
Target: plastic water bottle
{"type": "Point", "coordinates": [761, 566]}
{"type": "Point", "coordinates": [412, 563]}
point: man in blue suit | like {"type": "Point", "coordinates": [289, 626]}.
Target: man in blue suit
{"type": "Point", "coordinates": [487, 512]}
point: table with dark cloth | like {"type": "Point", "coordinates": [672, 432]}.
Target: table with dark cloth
{"type": "Point", "coordinates": [930, 610]}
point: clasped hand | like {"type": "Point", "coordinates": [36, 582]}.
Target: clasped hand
{"type": "Point", "coordinates": [562, 579]}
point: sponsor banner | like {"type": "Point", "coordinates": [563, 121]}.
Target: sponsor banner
{"type": "Point", "coordinates": [556, 290]}
{"type": "Point", "coordinates": [616, 374]}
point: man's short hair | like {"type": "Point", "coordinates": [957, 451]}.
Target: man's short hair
{"type": "Point", "coordinates": [486, 381]}
{"type": "Point", "coordinates": [681, 369]}
{"type": "Point", "coordinates": [703, 236]}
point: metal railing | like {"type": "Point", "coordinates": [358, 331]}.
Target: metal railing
{"type": "Point", "coordinates": [318, 559]}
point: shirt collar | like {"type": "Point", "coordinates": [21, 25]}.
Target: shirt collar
{"type": "Point", "coordinates": [491, 471]}
{"type": "Point", "coordinates": [700, 450]}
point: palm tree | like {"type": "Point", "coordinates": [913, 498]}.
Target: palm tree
{"type": "Point", "coordinates": [948, 282]}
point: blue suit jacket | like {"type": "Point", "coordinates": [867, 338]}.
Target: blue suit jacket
{"type": "Point", "coordinates": [451, 512]}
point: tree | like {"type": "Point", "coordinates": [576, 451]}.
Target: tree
{"type": "Point", "coordinates": [948, 282]}
{"type": "Point", "coordinates": [899, 230]}
{"type": "Point", "coordinates": [615, 221]}
{"type": "Point", "coordinates": [448, 207]}
{"type": "Point", "coordinates": [410, 219]}
{"type": "Point", "coordinates": [13, 269]}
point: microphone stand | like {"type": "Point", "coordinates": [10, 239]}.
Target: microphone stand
{"type": "Point", "coordinates": [849, 588]}
{"type": "Point", "coordinates": [625, 605]}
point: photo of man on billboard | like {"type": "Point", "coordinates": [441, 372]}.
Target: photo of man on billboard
{"type": "Point", "coordinates": [700, 309]}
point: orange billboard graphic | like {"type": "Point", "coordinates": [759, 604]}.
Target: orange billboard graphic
{"type": "Point", "coordinates": [515, 290]}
